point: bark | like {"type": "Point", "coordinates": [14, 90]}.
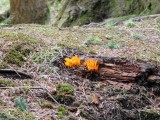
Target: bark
{"type": "Point", "coordinates": [29, 11]}
{"type": "Point", "coordinates": [127, 71]}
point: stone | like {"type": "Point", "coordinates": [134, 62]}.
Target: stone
{"type": "Point", "coordinates": [81, 12]}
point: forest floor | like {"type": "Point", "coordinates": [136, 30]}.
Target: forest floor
{"type": "Point", "coordinates": [56, 91]}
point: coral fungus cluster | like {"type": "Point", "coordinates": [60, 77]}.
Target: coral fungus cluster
{"type": "Point", "coordinates": [92, 65]}
{"type": "Point", "coordinates": [74, 61]}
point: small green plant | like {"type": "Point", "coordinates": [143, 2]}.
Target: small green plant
{"type": "Point", "coordinates": [130, 23]}
{"type": "Point", "coordinates": [65, 93]}
{"type": "Point", "coordinates": [21, 104]}
{"type": "Point", "coordinates": [110, 25]}
{"type": "Point", "coordinates": [94, 40]}
{"type": "Point", "coordinates": [113, 44]}
{"type": "Point", "coordinates": [138, 36]}
{"type": "Point", "coordinates": [61, 111]}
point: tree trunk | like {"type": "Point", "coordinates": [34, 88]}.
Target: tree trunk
{"type": "Point", "coordinates": [29, 11]}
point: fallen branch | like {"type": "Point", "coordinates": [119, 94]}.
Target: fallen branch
{"type": "Point", "coordinates": [14, 74]}
{"type": "Point", "coordinates": [21, 87]}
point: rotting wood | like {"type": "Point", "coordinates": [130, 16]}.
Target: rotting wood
{"type": "Point", "coordinates": [123, 70]}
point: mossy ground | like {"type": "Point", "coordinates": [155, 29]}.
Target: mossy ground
{"type": "Point", "coordinates": [16, 47]}
{"type": "Point", "coordinates": [39, 42]}
{"type": "Point", "coordinates": [5, 83]}
{"type": "Point", "coordinates": [12, 114]}
{"type": "Point", "coordinates": [62, 111]}
{"type": "Point", "coordinates": [65, 93]}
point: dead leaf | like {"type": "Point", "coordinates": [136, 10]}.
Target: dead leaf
{"type": "Point", "coordinates": [52, 89]}
{"type": "Point", "coordinates": [95, 99]}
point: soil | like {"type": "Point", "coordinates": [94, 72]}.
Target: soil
{"type": "Point", "coordinates": [93, 98]}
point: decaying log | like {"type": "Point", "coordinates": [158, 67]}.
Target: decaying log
{"type": "Point", "coordinates": [123, 70]}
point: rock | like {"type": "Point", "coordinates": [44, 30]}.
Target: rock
{"type": "Point", "coordinates": [79, 12]}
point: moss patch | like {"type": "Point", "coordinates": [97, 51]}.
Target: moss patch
{"type": "Point", "coordinates": [20, 115]}
{"type": "Point", "coordinates": [21, 46]}
{"type": "Point", "coordinates": [65, 93]}
{"type": "Point", "coordinates": [45, 104]}
{"type": "Point", "coordinates": [4, 83]}
{"type": "Point", "coordinates": [3, 65]}
{"type": "Point", "coordinates": [5, 116]}
{"type": "Point", "coordinates": [12, 114]}
{"type": "Point", "coordinates": [84, 19]}
{"type": "Point", "coordinates": [61, 111]}
{"type": "Point", "coordinates": [14, 57]}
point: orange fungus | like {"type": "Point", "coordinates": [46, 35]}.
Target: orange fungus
{"type": "Point", "coordinates": [74, 61]}
{"type": "Point", "coordinates": [92, 65]}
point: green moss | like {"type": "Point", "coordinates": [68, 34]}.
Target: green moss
{"type": "Point", "coordinates": [6, 116]}
{"type": "Point", "coordinates": [14, 57]}
{"type": "Point", "coordinates": [65, 93]}
{"type": "Point", "coordinates": [94, 40]}
{"type": "Point", "coordinates": [149, 115]}
{"type": "Point", "coordinates": [109, 25]}
{"type": "Point", "coordinates": [65, 88]}
{"type": "Point", "coordinates": [45, 104]}
{"type": "Point", "coordinates": [137, 36]}
{"type": "Point", "coordinates": [5, 83]}
{"type": "Point", "coordinates": [13, 114]}
{"type": "Point", "coordinates": [84, 19]}
{"type": "Point", "coordinates": [130, 23]}
{"type": "Point", "coordinates": [61, 111]}
{"type": "Point", "coordinates": [3, 65]}
{"type": "Point", "coordinates": [113, 44]}
{"type": "Point", "coordinates": [21, 46]}
{"type": "Point", "coordinates": [21, 115]}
